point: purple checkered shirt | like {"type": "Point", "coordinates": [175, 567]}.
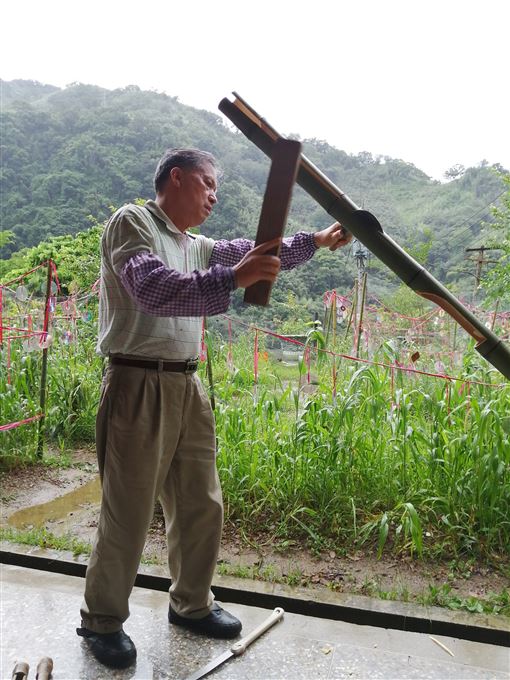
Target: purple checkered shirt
{"type": "Point", "coordinates": [161, 291]}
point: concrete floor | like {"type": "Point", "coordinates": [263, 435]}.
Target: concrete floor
{"type": "Point", "coordinates": [40, 612]}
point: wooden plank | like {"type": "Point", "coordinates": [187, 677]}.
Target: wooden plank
{"type": "Point", "coordinates": [275, 208]}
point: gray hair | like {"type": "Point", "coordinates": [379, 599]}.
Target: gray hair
{"type": "Point", "coordinates": [188, 159]}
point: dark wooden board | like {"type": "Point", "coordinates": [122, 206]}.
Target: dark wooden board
{"type": "Point", "coordinates": [275, 208]}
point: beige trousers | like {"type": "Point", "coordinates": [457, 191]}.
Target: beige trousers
{"type": "Point", "coordinates": [155, 438]}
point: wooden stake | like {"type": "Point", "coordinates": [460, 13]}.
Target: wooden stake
{"type": "Point", "coordinates": [44, 367]}
{"type": "Point", "coordinates": [361, 309]}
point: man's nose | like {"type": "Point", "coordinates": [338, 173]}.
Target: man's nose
{"type": "Point", "coordinates": [212, 197]}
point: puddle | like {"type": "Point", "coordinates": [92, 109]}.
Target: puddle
{"type": "Point", "coordinates": [58, 508]}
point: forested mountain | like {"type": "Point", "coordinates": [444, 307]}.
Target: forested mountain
{"type": "Point", "coordinates": [69, 154]}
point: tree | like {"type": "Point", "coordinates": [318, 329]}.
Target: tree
{"type": "Point", "coordinates": [71, 153]}
{"type": "Point", "coordinates": [5, 238]}
{"type": "Point", "coordinates": [497, 281]}
{"type": "Point", "coordinates": [455, 171]}
{"type": "Point", "coordinates": [76, 258]}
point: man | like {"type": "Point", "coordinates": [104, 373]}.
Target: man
{"type": "Point", "coordinates": [155, 430]}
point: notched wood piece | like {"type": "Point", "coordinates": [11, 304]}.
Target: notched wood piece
{"type": "Point", "coordinates": [275, 208]}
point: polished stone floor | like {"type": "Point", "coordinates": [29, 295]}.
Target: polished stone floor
{"type": "Point", "coordinates": [40, 614]}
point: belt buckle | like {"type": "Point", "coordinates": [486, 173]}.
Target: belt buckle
{"type": "Point", "coordinates": [190, 365]}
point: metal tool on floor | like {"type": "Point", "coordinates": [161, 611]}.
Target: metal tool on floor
{"type": "Point", "coordinates": [238, 647]}
{"type": "Point", "coordinates": [43, 671]}
{"type": "Point", "coordinates": [44, 668]}
{"type": "Point", "coordinates": [20, 671]}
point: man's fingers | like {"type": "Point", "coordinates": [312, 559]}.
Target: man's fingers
{"type": "Point", "coordinates": [256, 267]}
{"type": "Point", "coordinates": [339, 231]}
{"type": "Point", "coordinates": [270, 260]}
{"type": "Point", "coordinates": [268, 265]}
{"type": "Point", "coordinates": [347, 236]}
{"type": "Point", "coordinates": [341, 235]}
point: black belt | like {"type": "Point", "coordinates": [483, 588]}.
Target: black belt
{"type": "Point", "coordinates": [188, 366]}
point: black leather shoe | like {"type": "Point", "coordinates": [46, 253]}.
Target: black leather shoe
{"type": "Point", "coordinates": [218, 623]}
{"type": "Point", "coordinates": [112, 649]}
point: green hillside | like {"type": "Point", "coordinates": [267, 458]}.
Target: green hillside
{"type": "Point", "coordinates": [70, 155]}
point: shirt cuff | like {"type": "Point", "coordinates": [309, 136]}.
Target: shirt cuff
{"type": "Point", "coordinates": [231, 278]}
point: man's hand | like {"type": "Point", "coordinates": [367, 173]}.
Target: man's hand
{"type": "Point", "coordinates": [332, 237]}
{"type": "Point", "coordinates": [256, 266]}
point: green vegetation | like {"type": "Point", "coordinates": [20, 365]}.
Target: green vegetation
{"type": "Point", "coordinates": [497, 281]}
{"type": "Point", "coordinates": [419, 467]}
{"type": "Point", "coordinates": [395, 462]}
{"type": "Point", "coordinates": [75, 152]}
{"type": "Point", "coordinates": [421, 470]}
{"type": "Point", "coordinates": [257, 572]}
{"type": "Point", "coordinates": [444, 596]}
{"type": "Point", "coordinates": [45, 539]}
{"type": "Point", "coordinates": [42, 538]}
{"type": "Point", "coordinates": [74, 379]}
{"type": "Point", "coordinates": [434, 596]}
{"type": "Point", "coordinates": [77, 259]}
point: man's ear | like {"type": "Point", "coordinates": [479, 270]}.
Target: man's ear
{"type": "Point", "coordinates": [176, 176]}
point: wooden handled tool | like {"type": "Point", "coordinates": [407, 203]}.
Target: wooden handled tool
{"type": "Point", "coordinates": [44, 668]}
{"type": "Point", "coordinates": [20, 671]}
{"type": "Point", "coordinates": [238, 647]}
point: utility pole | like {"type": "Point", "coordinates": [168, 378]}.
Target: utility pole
{"type": "Point", "coordinates": [480, 261]}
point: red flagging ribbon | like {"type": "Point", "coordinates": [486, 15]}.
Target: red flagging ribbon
{"type": "Point", "coordinates": [8, 361]}
{"type": "Point", "coordinates": [23, 276]}
{"type": "Point", "coordinates": [397, 366]}
{"type": "Point", "coordinates": [256, 355]}
{"type": "Point", "coordinates": [307, 360]}
{"type": "Point", "coordinates": [11, 426]}
{"type": "Point", "coordinates": [230, 361]}
{"type": "Point", "coordinates": [53, 267]}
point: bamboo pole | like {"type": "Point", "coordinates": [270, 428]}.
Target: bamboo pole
{"type": "Point", "coordinates": [367, 229]}
{"type": "Point", "coordinates": [1, 318]}
{"type": "Point", "coordinates": [334, 322]}
{"type": "Point", "coordinates": [361, 310]}
{"type": "Point", "coordinates": [44, 367]}
{"type": "Point", "coordinates": [327, 320]}
{"type": "Point", "coordinates": [353, 307]}
{"type": "Point", "coordinates": [209, 368]}
{"type": "Point", "coordinates": [495, 314]}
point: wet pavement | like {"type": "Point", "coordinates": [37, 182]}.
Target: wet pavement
{"type": "Point", "coordinates": [40, 611]}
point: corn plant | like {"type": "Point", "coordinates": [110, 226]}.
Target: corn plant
{"type": "Point", "coordinates": [394, 460]}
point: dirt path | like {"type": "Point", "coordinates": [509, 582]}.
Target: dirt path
{"type": "Point", "coordinates": [65, 501]}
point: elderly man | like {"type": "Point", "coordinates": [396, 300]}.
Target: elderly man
{"type": "Point", "coordinates": [155, 429]}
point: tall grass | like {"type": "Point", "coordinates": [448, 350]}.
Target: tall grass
{"type": "Point", "coordinates": [404, 462]}
{"type": "Point", "coordinates": [19, 400]}
{"type": "Point", "coordinates": [423, 467]}
{"type": "Point", "coordinates": [73, 382]}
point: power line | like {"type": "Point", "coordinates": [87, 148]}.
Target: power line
{"type": "Point", "coordinates": [460, 234]}
{"type": "Point", "coordinates": [490, 204]}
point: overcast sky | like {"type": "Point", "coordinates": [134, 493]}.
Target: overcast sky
{"type": "Point", "coordinates": [427, 81]}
